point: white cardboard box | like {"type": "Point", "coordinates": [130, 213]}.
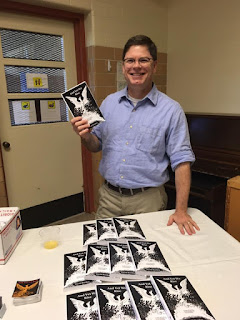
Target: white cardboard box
{"type": "Point", "coordinates": [10, 231]}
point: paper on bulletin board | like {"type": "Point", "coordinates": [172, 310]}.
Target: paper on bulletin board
{"type": "Point", "coordinates": [37, 81]}
{"type": "Point", "coordinates": [50, 110]}
{"type": "Point", "coordinates": [24, 111]}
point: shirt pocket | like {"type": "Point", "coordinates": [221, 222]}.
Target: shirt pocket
{"type": "Point", "coordinates": [148, 139]}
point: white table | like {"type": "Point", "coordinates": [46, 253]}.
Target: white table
{"type": "Point", "coordinates": [210, 259]}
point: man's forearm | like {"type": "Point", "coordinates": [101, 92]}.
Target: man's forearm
{"type": "Point", "coordinates": [182, 182]}
{"type": "Point", "coordinates": [91, 142]}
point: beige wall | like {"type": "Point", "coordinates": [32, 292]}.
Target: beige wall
{"type": "Point", "coordinates": [110, 23]}
{"type": "Point", "coordinates": [204, 55]}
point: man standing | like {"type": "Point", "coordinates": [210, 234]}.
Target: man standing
{"type": "Point", "coordinates": [144, 131]}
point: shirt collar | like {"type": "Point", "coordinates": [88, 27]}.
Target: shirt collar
{"type": "Point", "coordinates": [152, 95]}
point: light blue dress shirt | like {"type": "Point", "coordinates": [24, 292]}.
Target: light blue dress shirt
{"type": "Point", "coordinates": [138, 142]}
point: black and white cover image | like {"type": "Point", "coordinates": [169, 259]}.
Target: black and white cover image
{"type": "Point", "coordinates": [97, 265]}
{"type": "Point", "coordinates": [89, 233]}
{"type": "Point", "coordinates": [180, 299]}
{"type": "Point", "coordinates": [145, 301]}
{"type": "Point", "coordinates": [74, 269]}
{"type": "Point", "coordinates": [114, 302]}
{"type": "Point", "coordinates": [121, 261]}
{"type": "Point", "coordinates": [128, 228]}
{"type": "Point", "coordinates": [105, 231]}
{"type": "Point", "coordinates": [82, 306]}
{"type": "Point", "coordinates": [148, 258]}
{"type": "Point", "coordinates": [80, 102]}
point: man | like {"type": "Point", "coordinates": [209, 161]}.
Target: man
{"type": "Point", "coordinates": [143, 131]}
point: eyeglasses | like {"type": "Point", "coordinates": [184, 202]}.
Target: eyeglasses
{"type": "Point", "coordinates": [141, 61]}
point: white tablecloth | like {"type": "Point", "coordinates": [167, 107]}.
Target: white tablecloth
{"type": "Point", "coordinates": [210, 259]}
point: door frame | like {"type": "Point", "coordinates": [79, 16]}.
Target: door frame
{"type": "Point", "coordinates": [81, 62]}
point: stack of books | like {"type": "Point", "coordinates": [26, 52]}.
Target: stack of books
{"type": "Point", "coordinates": [27, 292]}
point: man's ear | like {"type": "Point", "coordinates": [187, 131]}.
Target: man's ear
{"type": "Point", "coordinates": [154, 66]}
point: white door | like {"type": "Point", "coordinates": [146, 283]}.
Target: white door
{"type": "Point", "coordinates": [43, 162]}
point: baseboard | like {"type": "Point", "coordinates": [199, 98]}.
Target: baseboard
{"type": "Point", "coordinates": [52, 211]}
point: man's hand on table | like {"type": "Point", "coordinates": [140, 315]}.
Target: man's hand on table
{"type": "Point", "coordinates": [184, 222]}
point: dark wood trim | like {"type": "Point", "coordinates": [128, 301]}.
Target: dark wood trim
{"type": "Point", "coordinates": [52, 211]}
{"type": "Point", "coordinates": [34, 10]}
{"type": "Point", "coordinates": [81, 62]}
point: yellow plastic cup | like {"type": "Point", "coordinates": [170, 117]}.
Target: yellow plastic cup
{"type": "Point", "coordinates": [50, 237]}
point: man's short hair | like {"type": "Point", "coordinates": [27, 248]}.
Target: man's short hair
{"type": "Point", "coordinates": [141, 40]}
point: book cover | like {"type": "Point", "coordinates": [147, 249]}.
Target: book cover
{"type": "Point", "coordinates": [82, 305]}
{"type": "Point", "coordinates": [114, 302]}
{"type": "Point", "coordinates": [121, 261]}
{"type": "Point", "coordinates": [25, 289]}
{"type": "Point", "coordinates": [81, 102]}
{"type": "Point", "coordinates": [128, 228]}
{"type": "Point", "coordinates": [148, 258]}
{"type": "Point", "coordinates": [105, 231]}
{"type": "Point", "coordinates": [180, 300]}
{"type": "Point", "coordinates": [74, 269]}
{"type": "Point", "coordinates": [145, 301]}
{"type": "Point", "coordinates": [89, 233]}
{"type": "Point", "coordinates": [97, 264]}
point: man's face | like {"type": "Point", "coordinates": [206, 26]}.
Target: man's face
{"type": "Point", "coordinates": [139, 75]}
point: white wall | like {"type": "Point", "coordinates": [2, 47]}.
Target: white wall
{"type": "Point", "coordinates": [204, 55]}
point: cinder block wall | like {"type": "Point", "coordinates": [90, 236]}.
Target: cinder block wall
{"type": "Point", "coordinates": [103, 82]}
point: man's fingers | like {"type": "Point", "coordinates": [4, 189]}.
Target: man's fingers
{"type": "Point", "coordinates": [181, 229]}
{"type": "Point", "coordinates": [170, 221]}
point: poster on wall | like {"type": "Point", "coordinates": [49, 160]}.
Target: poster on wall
{"type": "Point", "coordinates": [34, 82]}
{"type": "Point", "coordinates": [50, 110]}
{"type": "Point", "coordinates": [24, 111]}
{"type": "Point", "coordinates": [81, 102]}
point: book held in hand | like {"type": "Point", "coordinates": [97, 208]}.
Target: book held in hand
{"type": "Point", "coordinates": [113, 302]}
{"type": "Point", "coordinates": [180, 300]}
{"type": "Point", "coordinates": [27, 292]}
{"type": "Point", "coordinates": [148, 258]}
{"type": "Point", "coordinates": [81, 102]}
{"type": "Point", "coordinates": [82, 305]}
{"type": "Point", "coordinates": [74, 270]}
{"type": "Point", "coordinates": [145, 301]}
{"type": "Point", "coordinates": [128, 228]}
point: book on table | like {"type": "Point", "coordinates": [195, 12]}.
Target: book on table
{"type": "Point", "coordinates": [105, 231]}
{"type": "Point", "coordinates": [97, 264]}
{"type": "Point", "coordinates": [27, 292]}
{"type": "Point", "coordinates": [148, 258]}
{"type": "Point", "coordinates": [89, 233]}
{"type": "Point", "coordinates": [113, 302]}
{"type": "Point", "coordinates": [74, 270]}
{"type": "Point", "coordinates": [128, 229]}
{"type": "Point", "coordinates": [179, 298]}
{"type": "Point", "coordinates": [145, 301]}
{"type": "Point", "coordinates": [82, 305]}
{"type": "Point", "coordinates": [121, 263]}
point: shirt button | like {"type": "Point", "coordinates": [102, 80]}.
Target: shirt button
{"type": "Point", "coordinates": [131, 127]}
{"type": "Point", "coordinates": [126, 143]}
{"type": "Point", "coordinates": [134, 110]}
{"type": "Point", "coordinates": [121, 177]}
{"type": "Point", "coordinates": [124, 160]}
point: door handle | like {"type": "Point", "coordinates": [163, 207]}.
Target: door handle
{"type": "Point", "coordinates": [6, 145]}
